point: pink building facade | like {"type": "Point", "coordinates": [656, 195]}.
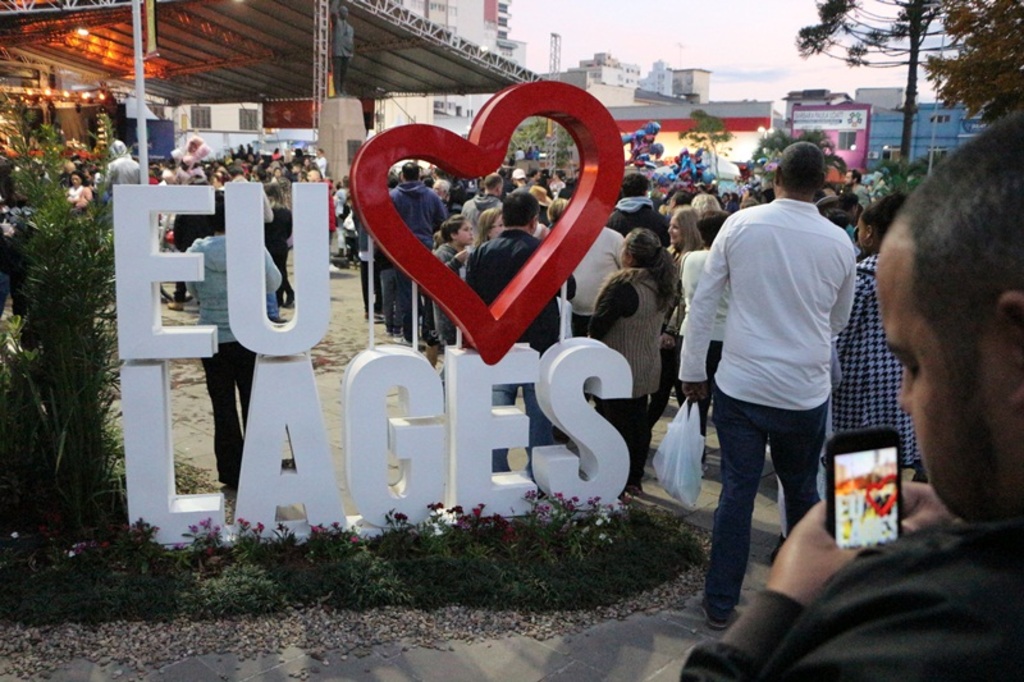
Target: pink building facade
{"type": "Point", "coordinates": [848, 125]}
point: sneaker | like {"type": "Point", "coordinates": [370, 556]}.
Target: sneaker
{"type": "Point", "coordinates": [175, 305]}
{"type": "Point", "coordinates": [713, 621]}
{"type": "Point", "coordinates": [400, 341]}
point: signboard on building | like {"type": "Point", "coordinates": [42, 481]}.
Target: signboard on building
{"type": "Point", "coordinates": [832, 118]}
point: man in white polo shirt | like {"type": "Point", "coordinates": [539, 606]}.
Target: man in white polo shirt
{"type": "Point", "coordinates": [791, 274]}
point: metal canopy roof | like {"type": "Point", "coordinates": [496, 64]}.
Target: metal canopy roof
{"type": "Point", "coordinates": [252, 50]}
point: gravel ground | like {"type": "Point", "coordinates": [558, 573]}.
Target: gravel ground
{"type": "Point", "coordinates": [32, 652]}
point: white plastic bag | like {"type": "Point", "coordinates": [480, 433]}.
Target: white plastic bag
{"type": "Point", "coordinates": [678, 460]}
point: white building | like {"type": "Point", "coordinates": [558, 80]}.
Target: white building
{"type": "Point", "coordinates": [659, 79]}
{"type": "Point", "coordinates": [605, 69]}
{"type": "Point", "coordinates": [693, 85]}
{"type": "Point", "coordinates": [222, 126]}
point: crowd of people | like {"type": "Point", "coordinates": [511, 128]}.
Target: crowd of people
{"type": "Point", "coordinates": [785, 315]}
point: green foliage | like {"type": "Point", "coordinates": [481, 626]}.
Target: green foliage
{"type": "Point", "coordinates": [986, 69]}
{"type": "Point", "coordinates": [547, 136]}
{"type": "Point", "coordinates": [899, 176]}
{"type": "Point", "coordinates": [58, 419]}
{"type": "Point", "coordinates": [709, 132]}
{"type": "Point", "coordinates": [474, 561]}
{"type": "Point", "coordinates": [241, 589]}
{"type": "Point", "coordinates": [772, 145]}
{"type": "Point", "coordinates": [880, 33]}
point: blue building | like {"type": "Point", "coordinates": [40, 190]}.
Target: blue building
{"type": "Point", "coordinates": [948, 126]}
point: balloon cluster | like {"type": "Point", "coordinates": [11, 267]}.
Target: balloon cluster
{"type": "Point", "coordinates": [644, 152]}
{"type": "Point", "coordinates": [189, 158]}
{"type": "Point", "coordinates": [692, 169]}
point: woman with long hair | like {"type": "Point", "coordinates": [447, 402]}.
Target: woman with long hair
{"type": "Point", "coordinates": [488, 226]}
{"type": "Point", "coordinates": [276, 235]}
{"type": "Point", "coordinates": [691, 267]}
{"type": "Point", "coordinates": [628, 315]}
{"type": "Point", "coordinates": [683, 238]}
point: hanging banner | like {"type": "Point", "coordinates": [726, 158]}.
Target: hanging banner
{"type": "Point", "coordinates": [149, 22]}
{"type": "Point", "coordinates": [288, 113]}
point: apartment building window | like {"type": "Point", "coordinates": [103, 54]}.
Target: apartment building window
{"type": "Point", "coordinates": [201, 118]}
{"type": "Point", "coordinates": [847, 140]}
{"type": "Point", "coordinates": [248, 119]}
{"type": "Point", "coordinates": [938, 118]}
{"type": "Point", "coordinates": [890, 154]}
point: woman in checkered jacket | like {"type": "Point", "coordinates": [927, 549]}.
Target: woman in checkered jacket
{"type": "Point", "coordinates": [868, 394]}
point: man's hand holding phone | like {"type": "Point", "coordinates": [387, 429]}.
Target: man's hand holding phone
{"type": "Point", "coordinates": [808, 559]}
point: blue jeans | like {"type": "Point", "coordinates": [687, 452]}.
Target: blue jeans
{"type": "Point", "coordinates": [540, 426]}
{"type": "Point", "coordinates": [796, 437]}
{"type": "Point", "coordinates": [389, 301]}
{"type": "Point", "coordinates": [404, 299]}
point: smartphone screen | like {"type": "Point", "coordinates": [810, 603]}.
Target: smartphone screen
{"type": "Point", "coordinates": [864, 488]}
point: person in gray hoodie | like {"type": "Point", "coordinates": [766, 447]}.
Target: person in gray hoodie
{"type": "Point", "coordinates": [493, 186]}
{"type": "Point", "coordinates": [122, 169]}
{"type": "Point", "coordinates": [635, 209]}
{"type": "Point", "coordinates": [231, 368]}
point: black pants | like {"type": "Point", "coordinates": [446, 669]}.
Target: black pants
{"type": "Point", "coordinates": [285, 293]}
{"type": "Point", "coordinates": [629, 417]}
{"type": "Point", "coordinates": [710, 366]}
{"type": "Point", "coordinates": [228, 371]}
{"type": "Point", "coordinates": [669, 379]}
{"type": "Point", "coordinates": [180, 292]}
{"type": "Point", "coordinates": [580, 325]}
{"type": "Point", "coordinates": [364, 281]}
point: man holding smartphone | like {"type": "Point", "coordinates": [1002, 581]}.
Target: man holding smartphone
{"type": "Point", "coordinates": [944, 601]}
{"type": "Point", "coordinates": [791, 274]}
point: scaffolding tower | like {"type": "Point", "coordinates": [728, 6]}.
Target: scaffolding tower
{"type": "Point", "coordinates": [555, 57]}
{"type": "Point", "coordinates": [321, 50]}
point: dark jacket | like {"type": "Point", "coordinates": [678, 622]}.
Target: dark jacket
{"type": "Point", "coordinates": [492, 266]}
{"type": "Point", "coordinates": [633, 212]}
{"type": "Point", "coordinates": [277, 231]}
{"type": "Point", "coordinates": [421, 209]}
{"type": "Point", "coordinates": [188, 227]}
{"type": "Point", "coordinates": [942, 604]}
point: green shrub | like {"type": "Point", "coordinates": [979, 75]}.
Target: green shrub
{"type": "Point", "coordinates": [125, 575]}
{"type": "Point", "coordinates": [57, 419]}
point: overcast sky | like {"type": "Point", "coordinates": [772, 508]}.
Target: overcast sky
{"type": "Point", "coordinates": [748, 45]}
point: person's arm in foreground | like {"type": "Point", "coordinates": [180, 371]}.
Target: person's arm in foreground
{"type": "Point", "coordinates": [806, 563]}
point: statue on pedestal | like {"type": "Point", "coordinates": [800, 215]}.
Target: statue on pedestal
{"type": "Point", "coordinates": [343, 45]}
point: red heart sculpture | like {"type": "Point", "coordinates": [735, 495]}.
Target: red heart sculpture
{"type": "Point", "coordinates": [881, 509]}
{"type": "Point", "coordinates": [493, 330]}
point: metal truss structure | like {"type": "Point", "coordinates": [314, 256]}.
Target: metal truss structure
{"type": "Point", "coordinates": [321, 49]}
{"type": "Point", "coordinates": [214, 50]}
{"type": "Point", "coordinates": [428, 34]}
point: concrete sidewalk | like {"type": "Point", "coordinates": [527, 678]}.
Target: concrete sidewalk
{"type": "Point", "coordinates": [642, 647]}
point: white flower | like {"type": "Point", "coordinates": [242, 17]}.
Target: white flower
{"type": "Point", "coordinates": [14, 535]}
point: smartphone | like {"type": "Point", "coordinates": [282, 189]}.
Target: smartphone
{"type": "Point", "coordinates": [863, 488]}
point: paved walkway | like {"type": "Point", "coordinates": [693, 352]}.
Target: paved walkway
{"type": "Point", "coordinates": [641, 647]}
